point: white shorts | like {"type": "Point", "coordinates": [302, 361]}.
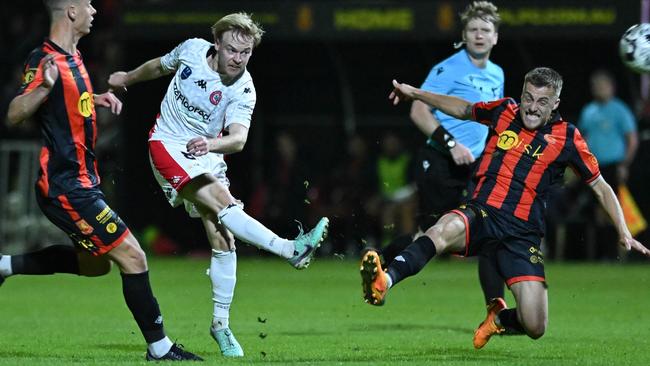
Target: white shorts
{"type": "Point", "coordinates": [173, 168]}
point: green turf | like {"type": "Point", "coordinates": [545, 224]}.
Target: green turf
{"type": "Point", "coordinates": [598, 316]}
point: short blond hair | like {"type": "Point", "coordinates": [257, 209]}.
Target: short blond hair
{"type": "Point", "coordinates": [545, 77]}
{"type": "Point", "coordinates": [483, 10]}
{"type": "Point", "coordinates": [240, 23]}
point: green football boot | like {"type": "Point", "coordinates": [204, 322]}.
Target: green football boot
{"type": "Point", "coordinates": [306, 244]}
{"type": "Point", "coordinates": [227, 342]}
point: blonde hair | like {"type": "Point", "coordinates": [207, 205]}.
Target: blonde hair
{"type": "Point", "coordinates": [483, 10]}
{"type": "Point", "coordinates": [238, 23]}
{"type": "Point", "coordinates": [545, 76]}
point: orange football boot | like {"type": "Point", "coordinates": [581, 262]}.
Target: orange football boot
{"type": "Point", "coordinates": [373, 279]}
{"type": "Point", "coordinates": [488, 327]}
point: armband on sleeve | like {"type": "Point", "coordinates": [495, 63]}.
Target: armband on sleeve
{"type": "Point", "coordinates": [443, 138]}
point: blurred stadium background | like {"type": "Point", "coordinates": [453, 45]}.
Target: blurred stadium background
{"type": "Point", "coordinates": [322, 121]}
{"type": "Point", "coordinates": [321, 127]}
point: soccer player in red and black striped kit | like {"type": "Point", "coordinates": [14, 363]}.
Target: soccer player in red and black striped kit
{"type": "Point", "coordinates": [528, 148]}
{"type": "Point", "coordinates": [57, 90]}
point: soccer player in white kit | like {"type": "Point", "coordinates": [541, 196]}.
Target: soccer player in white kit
{"type": "Point", "coordinates": [205, 114]}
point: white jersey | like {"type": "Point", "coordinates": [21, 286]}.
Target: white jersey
{"type": "Point", "coordinates": [197, 103]}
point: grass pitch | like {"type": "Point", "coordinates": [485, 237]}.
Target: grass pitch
{"type": "Point", "coordinates": [598, 316]}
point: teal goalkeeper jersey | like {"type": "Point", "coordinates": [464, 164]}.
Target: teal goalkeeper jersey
{"type": "Point", "coordinates": [457, 76]}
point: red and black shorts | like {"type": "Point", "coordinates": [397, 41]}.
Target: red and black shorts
{"type": "Point", "coordinates": [514, 248]}
{"type": "Point", "coordinates": [86, 218]}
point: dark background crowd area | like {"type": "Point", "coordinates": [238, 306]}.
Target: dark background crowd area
{"type": "Point", "coordinates": [321, 125]}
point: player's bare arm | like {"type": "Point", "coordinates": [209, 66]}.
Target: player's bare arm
{"type": "Point", "coordinates": [423, 118]}
{"type": "Point", "coordinates": [453, 106]}
{"type": "Point", "coordinates": [231, 143]}
{"type": "Point", "coordinates": [608, 200]}
{"type": "Point", "coordinates": [108, 100]}
{"type": "Point", "coordinates": [427, 123]}
{"type": "Point", "coordinates": [149, 70]}
{"type": "Point", "coordinates": [23, 106]}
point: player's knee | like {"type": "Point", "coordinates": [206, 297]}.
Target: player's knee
{"type": "Point", "coordinates": [130, 257]}
{"type": "Point", "coordinates": [138, 258]}
{"type": "Point", "coordinates": [536, 328]}
{"type": "Point", "coordinates": [221, 196]}
{"type": "Point", "coordinates": [435, 234]}
{"type": "Point", "coordinates": [536, 332]}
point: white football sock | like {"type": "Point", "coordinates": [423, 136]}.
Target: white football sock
{"type": "Point", "coordinates": [223, 275]}
{"type": "Point", "coordinates": [5, 266]}
{"type": "Point", "coordinates": [160, 348]}
{"type": "Point", "coordinates": [251, 231]}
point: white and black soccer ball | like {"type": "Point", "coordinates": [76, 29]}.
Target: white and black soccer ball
{"type": "Point", "coordinates": [634, 48]}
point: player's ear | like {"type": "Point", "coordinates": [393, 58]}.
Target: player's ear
{"type": "Point", "coordinates": [556, 104]}
{"type": "Point", "coordinates": [72, 13]}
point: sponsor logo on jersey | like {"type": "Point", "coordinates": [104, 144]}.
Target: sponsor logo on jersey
{"type": "Point", "coordinates": [215, 97]}
{"type": "Point", "coordinates": [104, 215]}
{"type": "Point", "coordinates": [507, 140]}
{"type": "Point", "coordinates": [83, 226]}
{"type": "Point", "coordinates": [186, 104]}
{"type": "Point", "coordinates": [247, 90]}
{"type": "Point", "coordinates": [188, 155]}
{"type": "Point", "coordinates": [187, 71]}
{"type": "Point", "coordinates": [510, 140]}
{"type": "Point", "coordinates": [85, 104]}
{"type": "Point", "coordinates": [201, 84]}
{"type": "Point", "coordinates": [28, 76]}
{"type": "Point", "coordinates": [111, 228]}
{"type": "Point", "coordinates": [246, 108]}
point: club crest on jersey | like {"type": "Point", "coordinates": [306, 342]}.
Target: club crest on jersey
{"type": "Point", "coordinates": [85, 104]}
{"type": "Point", "coordinates": [215, 97]}
{"type": "Point", "coordinates": [83, 226]}
{"type": "Point", "coordinates": [187, 71]}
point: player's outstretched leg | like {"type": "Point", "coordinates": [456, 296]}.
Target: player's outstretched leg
{"type": "Point", "coordinates": [489, 327]}
{"type": "Point", "coordinates": [46, 261]}
{"type": "Point", "coordinates": [373, 279]}
{"type": "Point", "coordinates": [299, 252]}
{"type": "Point", "coordinates": [305, 245]}
{"type": "Point", "coordinates": [227, 342]}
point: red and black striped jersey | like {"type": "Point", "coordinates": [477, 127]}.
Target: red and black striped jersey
{"type": "Point", "coordinates": [519, 165]}
{"type": "Point", "coordinates": [67, 121]}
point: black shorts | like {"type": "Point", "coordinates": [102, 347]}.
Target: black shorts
{"type": "Point", "coordinates": [442, 185]}
{"type": "Point", "coordinates": [86, 218]}
{"type": "Point", "coordinates": [514, 248]}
